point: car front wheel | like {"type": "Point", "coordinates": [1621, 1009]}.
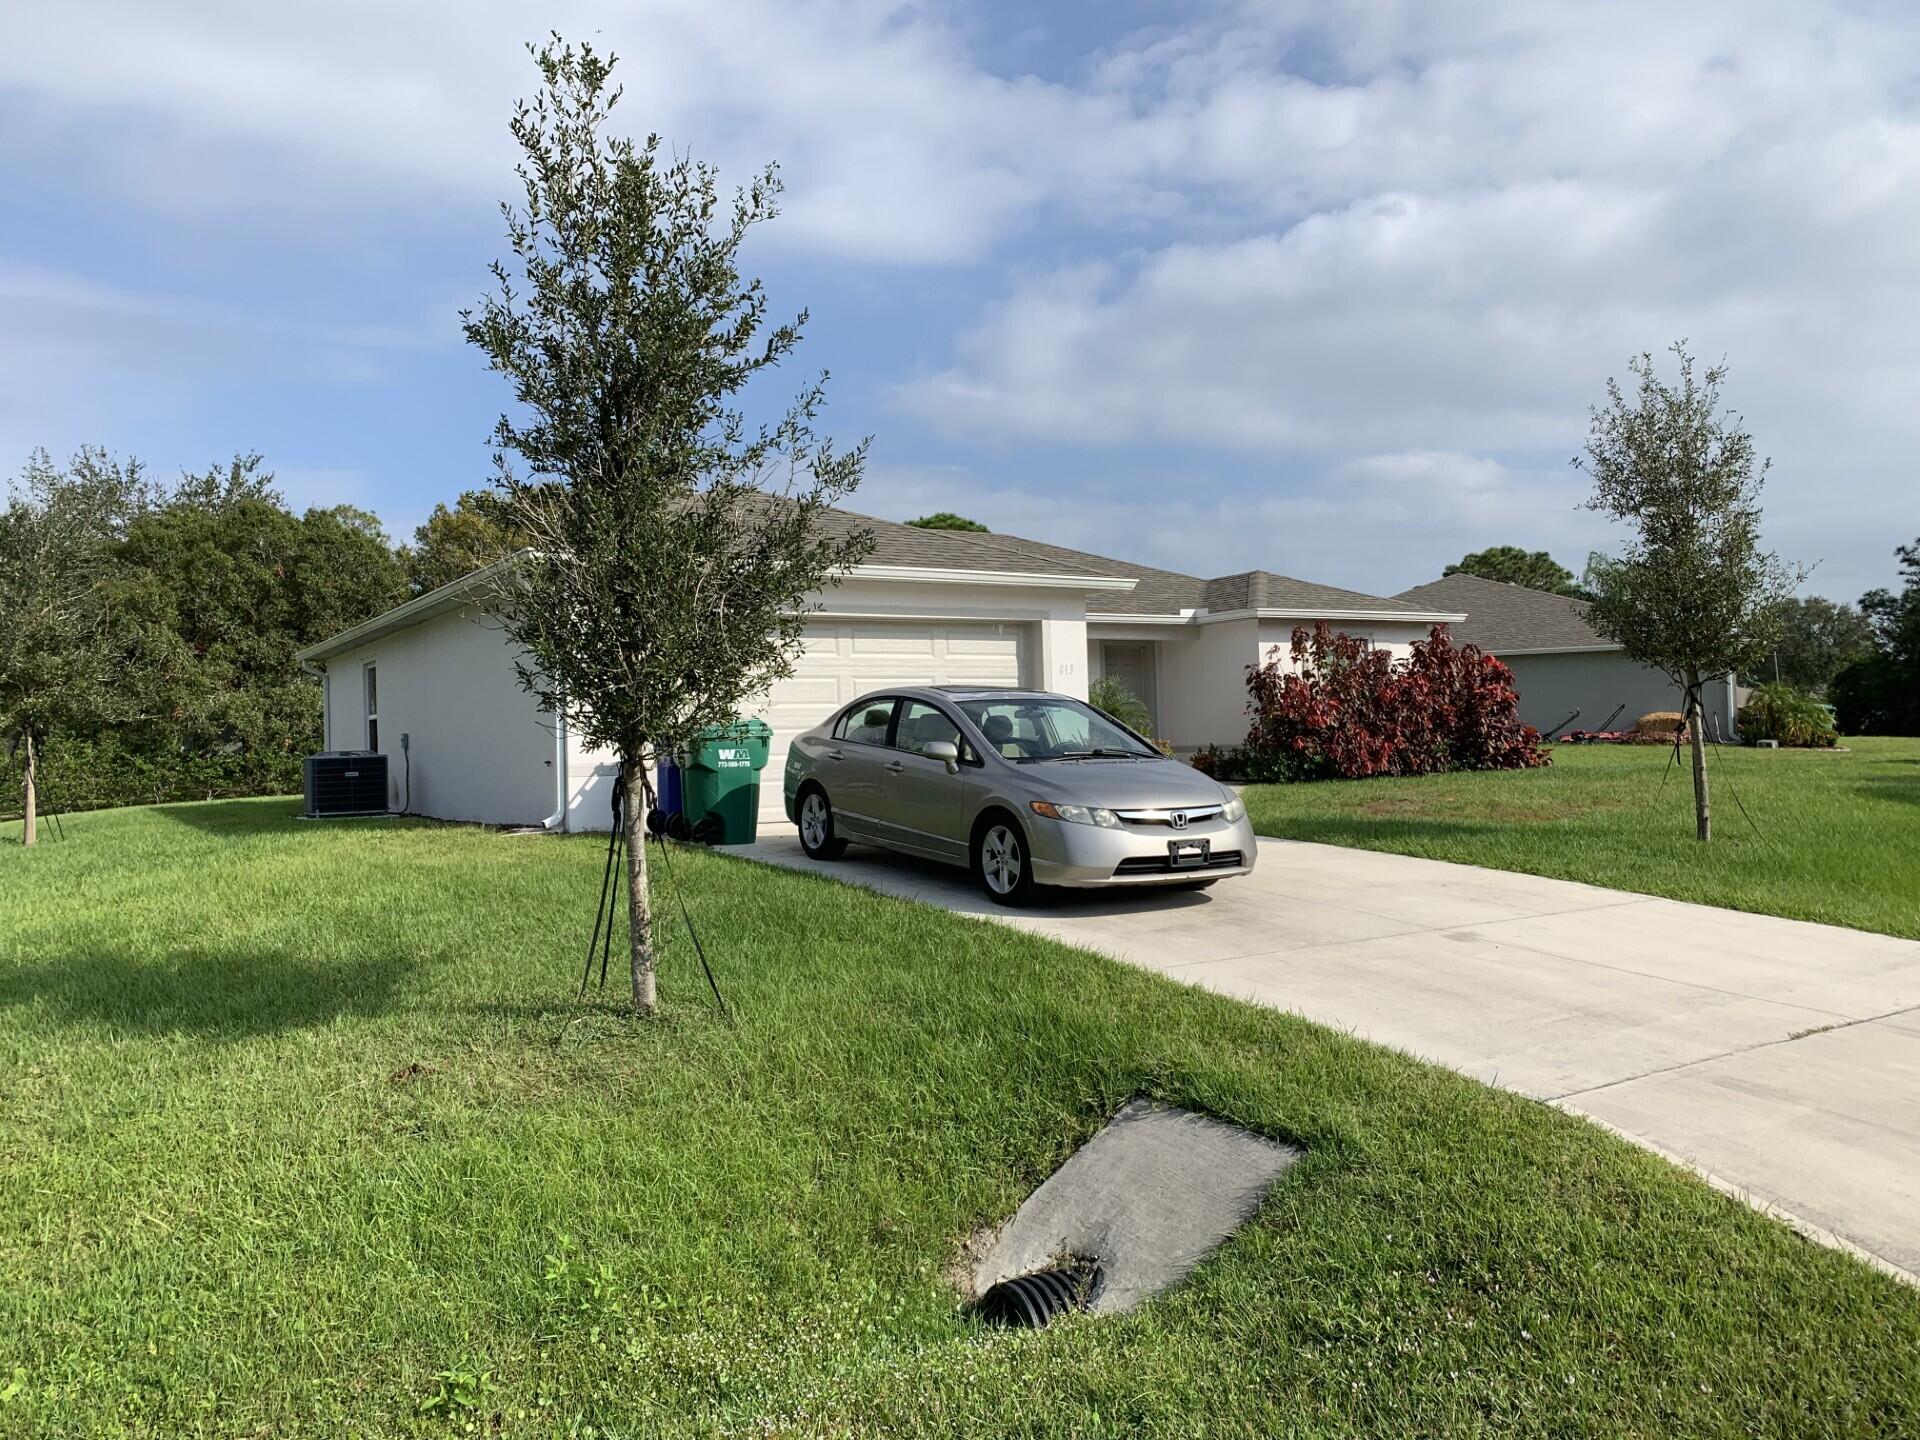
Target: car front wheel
{"type": "Point", "coordinates": [1001, 860]}
{"type": "Point", "coordinates": [816, 828]}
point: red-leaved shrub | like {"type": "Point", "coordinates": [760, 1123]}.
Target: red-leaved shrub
{"type": "Point", "coordinates": [1344, 710]}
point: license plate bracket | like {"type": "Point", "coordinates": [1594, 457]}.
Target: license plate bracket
{"type": "Point", "coordinates": [1188, 854]}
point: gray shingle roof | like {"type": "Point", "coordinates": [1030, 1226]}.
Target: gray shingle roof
{"type": "Point", "coordinates": [1156, 591]}
{"type": "Point", "coordinates": [1263, 590]}
{"type": "Point", "coordinates": [1502, 617]}
{"type": "Point", "coordinates": [897, 544]}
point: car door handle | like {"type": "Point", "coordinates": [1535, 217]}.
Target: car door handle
{"type": "Point", "coordinates": [894, 767]}
{"type": "Point", "coordinates": [835, 755]}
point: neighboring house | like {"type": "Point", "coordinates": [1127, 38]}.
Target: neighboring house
{"type": "Point", "coordinates": [928, 607]}
{"type": "Point", "coordinates": [1567, 673]}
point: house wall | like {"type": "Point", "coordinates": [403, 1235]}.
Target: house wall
{"type": "Point", "coordinates": [1594, 682]}
{"type": "Point", "coordinates": [1203, 684]}
{"type": "Point", "coordinates": [1055, 621]}
{"type": "Point", "coordinates": [1396, 637]}
{"type": "Point", "coordinates": [480, 747]}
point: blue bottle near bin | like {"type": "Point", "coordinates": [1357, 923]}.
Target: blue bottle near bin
{"type": "Point", "coordinates": [667, 786]}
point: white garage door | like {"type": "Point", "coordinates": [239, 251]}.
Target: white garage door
{"type": "Point", "coordinates": [844, 659]}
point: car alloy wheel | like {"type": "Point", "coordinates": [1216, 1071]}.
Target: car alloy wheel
{"type": "Point", "coordinates": [1003, 863]}
{"type": "Point", "coordinates": [816, 828]}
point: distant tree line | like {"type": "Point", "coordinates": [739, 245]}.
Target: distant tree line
{"type": "Point", "coordinates": [1878, 692]}
{"type": "Point", "coordinates": [147, 631]}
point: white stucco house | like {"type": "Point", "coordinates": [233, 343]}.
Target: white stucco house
{"type": "Point", "coordinates": [928, 607]}
{"type": "Point", "coordinates": [1569, 675]}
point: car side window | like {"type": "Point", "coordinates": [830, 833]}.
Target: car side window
{"type": "Point", "coordinates": [921, 724]}
{"type": "Point", "coordinates": [866, 724]}
{"type": "Point", "coordinates": [1009, 731]}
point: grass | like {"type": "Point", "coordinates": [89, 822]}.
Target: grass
{"type": "Point", "coordinates": [1833, 837]}
{"type": "Point", "coordinates": [301, 1134]}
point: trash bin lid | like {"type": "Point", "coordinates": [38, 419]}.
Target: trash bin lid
{"type": "Point", "coordinates": [753, 729]}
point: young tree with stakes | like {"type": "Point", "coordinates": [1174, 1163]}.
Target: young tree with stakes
{"type": "Point", "coordinates": [673, 547]}
{"type": "Point", "coordinates": [1692, 594]}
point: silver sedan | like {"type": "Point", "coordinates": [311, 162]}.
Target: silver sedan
{"type": "Point", "coordinates": [1023, 787]}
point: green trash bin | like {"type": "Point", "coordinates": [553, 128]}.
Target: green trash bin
{"type": "Point", "coordinates": [720, 782]}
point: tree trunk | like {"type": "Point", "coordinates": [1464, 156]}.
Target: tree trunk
{"type": "Point", "coordinates": [639, 903]}
{"type": "Point", "coordinates": [32, 798]}
{"type": "Point", "coordinates": [1696, 730]}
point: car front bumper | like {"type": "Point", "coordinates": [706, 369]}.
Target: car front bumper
{"type": "Point", "coordinates": [1091, 855]}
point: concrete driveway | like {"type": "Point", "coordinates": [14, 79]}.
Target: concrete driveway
{"type": "Point", "coordinates": [1777, 1058]}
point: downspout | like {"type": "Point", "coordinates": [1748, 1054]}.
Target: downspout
{"type": "Point", "coordinates": [318, 669]}
{"type": "Point", "coordinates": [558, 820]}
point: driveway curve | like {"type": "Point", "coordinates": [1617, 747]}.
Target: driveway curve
{"type": "Point", "coordinates": [1779, 1059]}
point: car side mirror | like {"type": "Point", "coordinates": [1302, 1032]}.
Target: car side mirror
{"type": "Point", "coordinates": [944, 751]}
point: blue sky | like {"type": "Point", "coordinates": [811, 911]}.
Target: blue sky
{"type": "Point", "coordinates": [1322, 288]}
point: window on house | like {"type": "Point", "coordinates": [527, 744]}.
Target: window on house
{"type": "Point", "coordinates": [372, 691]}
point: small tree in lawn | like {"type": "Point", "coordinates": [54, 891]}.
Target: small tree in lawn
{"type": "Point", "coordinates": [1693, 594]}
{"type": "Point", "coordinates": [59, 657]}
{"type": "Point", "coordinates": [674, 547]}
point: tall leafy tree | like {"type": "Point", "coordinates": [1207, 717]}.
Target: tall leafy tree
{"type": "Point", "coordinates": [475, 531]}
{"type": "Point", "coordinates": [226, 583]}
{"type": "Point", "coordinates": [675, 545]}
{"type": "Point", "coordinates": [62, 653]}
{"type": "Point", "coordinates": [1879, 693]}
{"type": "Point", "coordinates": [947, 520]}
{"type": "Point", "coordinates": [1818, 639]}
{"type": "Point", "coordinates": [1509, 564]}
{"type": "Point", "coordinates": [1691, 593]}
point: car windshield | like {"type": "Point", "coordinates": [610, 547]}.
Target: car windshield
{"type": "Point", "coordinates": [1029, 729]}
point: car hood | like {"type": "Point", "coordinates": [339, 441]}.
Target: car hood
{"type": "Point", "coordinates": [1122, 784]}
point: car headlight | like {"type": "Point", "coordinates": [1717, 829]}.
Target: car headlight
{"type": "Point", "coordinates": [1077, 814]}
{"type": "Point", "coordinates": [1235, 809]}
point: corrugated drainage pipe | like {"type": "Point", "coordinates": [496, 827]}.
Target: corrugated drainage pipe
{"type": "Point", "coordinates": [1030, 1301]}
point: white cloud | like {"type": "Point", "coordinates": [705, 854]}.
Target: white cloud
{"type": "Point", "coordinates": [86, 362]}
{"type": "Point", "coordinates": [1452, 237]}
{"type": "Point", "coordinates": [1340, 237]}
{"type": "Point", "coordinates": [894, 144]}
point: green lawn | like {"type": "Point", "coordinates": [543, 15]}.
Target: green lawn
{"type": "Point", "coordinates": [300, 1134]}
{"type": "Point", "coordinates": [1823, 836]}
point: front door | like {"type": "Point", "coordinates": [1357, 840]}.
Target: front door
{"type": "Point", "coordinates": [1131, 663]}
{"type": "Point", "coordinates": [920, 808]}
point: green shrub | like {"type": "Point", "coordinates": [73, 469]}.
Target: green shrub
{"type": "Point", "coordinates": [1111, 697]}
{"type": "Point", "coordinates": [1267, 765]}
{"type": "Point", "coordinates": [1789, 716]}
{"type": "Point", "coordinates": [80, 772]}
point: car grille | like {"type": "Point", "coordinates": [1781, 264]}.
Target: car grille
{"type": "Point", "coordinates": [1156, 865]}
{"type": "Point", "coordinates": [1195, 815]}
